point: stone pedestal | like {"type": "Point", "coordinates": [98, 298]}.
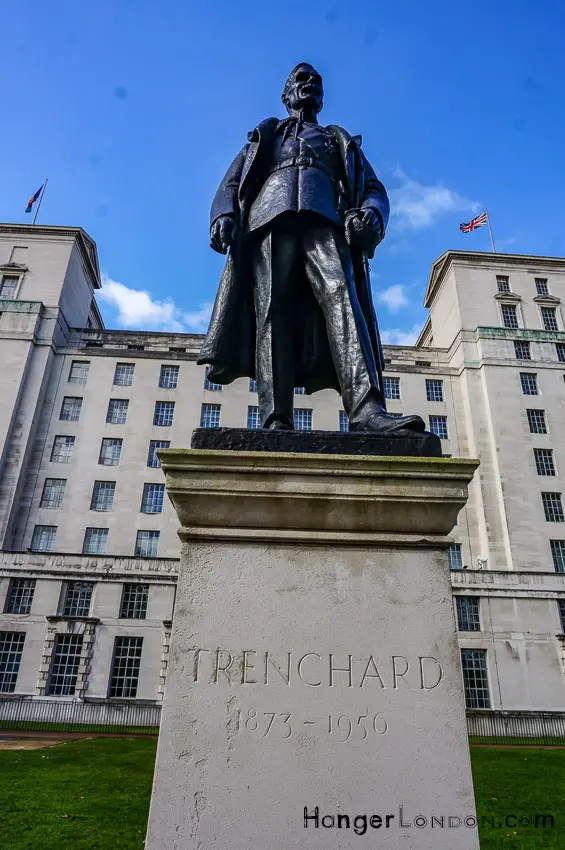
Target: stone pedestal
{"type": "Point", "coordinates": [314, 694]}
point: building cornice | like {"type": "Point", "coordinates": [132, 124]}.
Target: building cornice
{"type": "Point", "coordinates": [86, 245]}
{"type": "Point", "coordinates": [500, 262]}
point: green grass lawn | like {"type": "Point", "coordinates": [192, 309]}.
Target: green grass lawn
{"type": "Point", "coordinates": [86, 795]}
{"type": "Point", "coordinates": [94, 795]}
{"type": "Point", "coordinates": [523, 782]}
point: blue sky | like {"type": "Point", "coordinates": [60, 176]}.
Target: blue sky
{"type": "Point", "coordinates": [134, 109]}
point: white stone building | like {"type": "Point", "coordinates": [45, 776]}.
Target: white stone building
{"type": "Point", "coordinates": [88, 544]}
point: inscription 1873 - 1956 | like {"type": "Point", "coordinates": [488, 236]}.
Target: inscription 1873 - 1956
{"type": "Point", "coordinates": [314, 669]}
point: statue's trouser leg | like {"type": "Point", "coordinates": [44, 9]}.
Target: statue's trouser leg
{"type": "Point", "coordinates": [329, 269]}
{"type": "Point", "coordinates": [274, 258]}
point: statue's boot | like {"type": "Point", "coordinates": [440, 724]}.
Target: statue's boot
{"type": "Point", "coordinates": [371, 418]}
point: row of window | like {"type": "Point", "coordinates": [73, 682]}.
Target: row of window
{"type": "Point", "coordinates": [76, 599]}
{"type": "Point", "coordinates": [65, 661]}
{"type": "Point", "coordinates": [96, 540]}
{"type": "Point", "coordinates": [548, 315]}
{"type": "Point", "coordinates": [522, 350]}
{"type": "Point", "coordinates": [103, 493]}
{"type": "Point", "coordinates": [503, 284]}
{"type": "Point", "coordinates": [209, 418]}
{"type": "Point", "coordinates": [168, 379]}
{"type": "Point", "coordinates": [110, 451]}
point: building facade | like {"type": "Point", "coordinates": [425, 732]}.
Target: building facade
{"type": "Point", "coordinates": [88, 544]}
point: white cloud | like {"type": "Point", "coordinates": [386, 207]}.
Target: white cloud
{"type": "Point", "coordinates": [394, 297]}
{"type": "Point", "coordinates": [397, 336]}
{"type": "Point", "coordinates": [137, 309]}
{"type": "Point", "coordinates": [415, 206]}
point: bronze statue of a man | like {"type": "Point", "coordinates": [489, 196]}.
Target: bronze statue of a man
{"type": "Point", "coordinates": [300, 210]}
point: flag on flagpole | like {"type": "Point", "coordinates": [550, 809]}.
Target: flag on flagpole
{"type": "Point", "coordinates": [34, 198]}
{"type": "Point", "coordinates": [479, 221]}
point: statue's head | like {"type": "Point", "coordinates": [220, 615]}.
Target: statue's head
{"type": "Point", "coordinates": [303, 89]}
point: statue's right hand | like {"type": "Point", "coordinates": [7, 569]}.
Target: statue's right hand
{"type": "Point", "coordinates": [223, 233]}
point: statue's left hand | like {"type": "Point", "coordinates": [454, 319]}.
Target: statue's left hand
{"type": "Point", "coordinates": [363, 226]}
{"type": "Point", "coordinates": [223, 233]}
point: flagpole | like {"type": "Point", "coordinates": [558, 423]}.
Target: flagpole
{"type": "Point", "coordinates": [490, 231]}
{"type": "Point", "coordinates": [41, 198]}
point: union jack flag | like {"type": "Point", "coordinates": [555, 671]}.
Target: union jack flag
{"type": "Point", "coordinates": [479, 221]}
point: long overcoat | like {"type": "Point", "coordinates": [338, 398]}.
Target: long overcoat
{"type": "Point", "coordinates": [229, 347]}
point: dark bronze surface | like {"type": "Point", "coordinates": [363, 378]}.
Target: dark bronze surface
{"type": "Point", "coordinates": [401, 443]}
{"type": "Point", "coordinates": [300, 211]}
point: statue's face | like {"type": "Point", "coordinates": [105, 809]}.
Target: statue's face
{"type": "Point", "coordinates": [304, 90]}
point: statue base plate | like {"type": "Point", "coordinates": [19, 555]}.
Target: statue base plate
{"type": "Point", "coordinates": [404, 444]}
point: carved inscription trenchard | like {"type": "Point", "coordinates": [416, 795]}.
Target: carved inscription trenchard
{"type": "Point", "coordinates": [314, 670]}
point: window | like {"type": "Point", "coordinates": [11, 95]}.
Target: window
{"type": "Point", "coordinates": [210, 416]}
{"type": "Point", "coordinates": [78, 596]}
{"type": "Point", "coordinates": [544, 461]}
{"type": "Point", "coordinates": [529, 383]}
{"type": "Point", "coordinates": [454, 555]}
{"type": "Point", "coordinates": [553, 507]}
{"type": "Point", "coordinates": [43, 538]}
{"type": "Point", "coordinates": [123, 376]}
{"type": "Point", "coordinates": [468, 619]}
{"type": "Point", "coordinates": [117, 411]}
{"type": "Point", "coordinates": [20, 596]}
{"type": "Point", "coordinates": [253, 418]}
{"type": "Point", "coordinates": [536, 421]}
{"type": "Point", "coordinates": [11, 648]}
{"type": "Point", "coordinates": [541, 286]}
{"type": "Point", "coordinates": [560, 351]}
{"type": "Point", "coordinates": [164, 412]}
{"type": "Point", "coordinates": [343, 421]}
{"type": "Point", "coordinates": [558, 555]}
{"type": "Point", "coordinates": [475, 678]}
{"type": "Point", "coordinates": [302, 419]}
{"type": "Point", "coordinates": [9, 286]}
{"type": "Point", "coordinates": [152, 459]}
{"type": "Point", "coordinates": [146, 544]}
{"type": "Point", "coordinates": [152, 500]}
{"type": "Point", "coordinates": [110, 451]}
{"type": "Point", "coordinates": [503, 283]}
{"type": "Point", "coordinates": [549, 318]}
{"type": "Point", "coordinates": [53, 491]}
{"type": "Point", "coordinates": [438, 425]}
{"type": "Point", "coordinates": [252, 386]}
{"type": "Point", "coordinates": [561, 609]}
{"type": "Point", "coordinates": [70, 409]}
{"type": "Point", "coordinates": [434, 390]}
{"type": "Point", "coordinates": [134, 601]}
{"type": "Point", "coordinates": [391, 388]}
{"type": "Point", "coordinates": [169, 377]}
{"type": "Point", "coordinates": [509, 316]}
{"type": "Point", "coordinates": [62, 450]}
{"type": "Point", "coordinates": [210, 385]}
{"type": "Point", "coordinates": [300, 391]}
{"type": "Point", "coordinates": [95, 541]}
{"type": "Point", "coordinates": [522, 350]}
{"type": "Point", "coordinates": [103, 496]}
{"type": "Point", "coordinates": [125, 667]}
{"type": "Point", "coordinates": [64, 665]}
{"type": "Point", "coordinates": [79, 371]}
